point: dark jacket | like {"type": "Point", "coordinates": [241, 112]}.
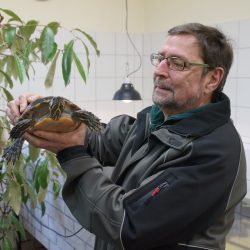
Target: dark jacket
{"type": "Point", "coordinates": [171, 189]}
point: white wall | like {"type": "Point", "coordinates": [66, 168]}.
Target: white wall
{"type": "Point", "coordinates": [144, 15]}
{"type": "Point", "coordinates": [160, 15]}
{"type": "Point", "coordinates": [93, 15]}
{"type": "Point", "coordinates": [149, 21]}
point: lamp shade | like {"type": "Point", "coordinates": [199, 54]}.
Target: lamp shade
{"type": "Point", "coordinates": [127, 92]}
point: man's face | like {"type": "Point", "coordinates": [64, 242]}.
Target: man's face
{"type": "Point", "coordinates": [179, 91]}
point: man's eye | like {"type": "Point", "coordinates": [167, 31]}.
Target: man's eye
{"type": "Point", "coordinates": [177, 62]}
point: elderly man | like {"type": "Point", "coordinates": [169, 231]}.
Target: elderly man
{"type": "Point", "coordinates": [171, 178]}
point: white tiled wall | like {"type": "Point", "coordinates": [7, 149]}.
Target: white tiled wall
{"type": "Point", "coordinates": [106, 75]}
{"type": "Point", "coordinates": [237, 86]}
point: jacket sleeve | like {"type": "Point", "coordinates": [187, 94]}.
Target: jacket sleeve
{"type": "Point", "coordinates": [93, 199]}
{"type": "Point", "coordinates": [106, 146]}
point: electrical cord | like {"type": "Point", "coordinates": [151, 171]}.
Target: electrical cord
{"type": "Point", "coordinates": [51, 229]}
{"type": "Point", "coordinates": [132, 43]}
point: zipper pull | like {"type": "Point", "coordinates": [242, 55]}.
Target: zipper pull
{"type": "Point", "coordinates": [157, 190]}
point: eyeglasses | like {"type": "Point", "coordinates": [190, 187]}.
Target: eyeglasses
{"type": "Point", "coordinates": [174, 62]}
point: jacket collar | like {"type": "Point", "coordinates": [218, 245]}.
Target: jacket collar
{"type": "Point", "coordinates": [201, 123]}
{"type": "Point", "coordinates": [195, 123]}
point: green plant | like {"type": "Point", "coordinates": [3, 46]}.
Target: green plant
{"type": "Point", "coordinates": [21, 45]}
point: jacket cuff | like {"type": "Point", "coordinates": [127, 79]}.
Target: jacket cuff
{"type": "Point", "coordinates": [71, 153]}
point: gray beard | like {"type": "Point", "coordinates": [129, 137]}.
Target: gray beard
{"type": "Point", "coordinates": [169, 104]}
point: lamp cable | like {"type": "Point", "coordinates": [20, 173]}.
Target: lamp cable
{"type": "Point", "coordinates": [132, 43]}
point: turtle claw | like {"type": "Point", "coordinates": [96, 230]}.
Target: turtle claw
{"type": "Point", "coordinates": [12, 152]}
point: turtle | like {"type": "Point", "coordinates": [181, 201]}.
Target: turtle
{"type": "Point", "coordinates": [51, 113]}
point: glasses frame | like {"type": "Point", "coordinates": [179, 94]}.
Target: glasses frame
{"type": "Point", "coordinates": [186, 65]}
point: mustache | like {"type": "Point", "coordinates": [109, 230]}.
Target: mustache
{"type": "Point", "coordinates": [161, 82]}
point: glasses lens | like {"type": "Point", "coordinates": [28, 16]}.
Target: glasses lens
{"type": "Point", "coordinates": [155, 59]}
{"type": "Point", "coordinates": [176, 63]}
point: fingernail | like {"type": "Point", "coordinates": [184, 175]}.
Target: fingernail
{"type": "Point", "coordinates": [15, 119]}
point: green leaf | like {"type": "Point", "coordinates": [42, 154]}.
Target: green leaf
{"type": "Point", "coordinates": [56, 174]}
{"type": "Point", "coordinates": [18, 176]}
{"type": "Point", "coordinates": [26, 53]}
{"type": "Point", "coordinates": [51, 72]}
{"type": "Point", "coordinates": [14, 16]}
{"type": "Point", "coordinates": [54, 26]}
{"type": "Point", "coordinates": [6, 244]}
{"type": "Point", "coordinates": [20, 69]}
{"type": "Point", "coordinates": [52, 159]}
{"type": "Point", "coordinates": [43, 208]}
{"type": "Point", "coordinates": [2, 176]}
{"type": "Point", "coordinates": [91, 40]}
{"type": "Point", "coordinates": [56, 188]}
{"type": "Point", "coordinates": [87, 55]}
{"type": "Point", "coordinates": [11, 69]}
{"type": "Point", "coordinates": [31, 194]}
{"type": "Point", "coordinates": [41, 195]}
{"type": "Point", "coordinates": [79, 66]}
{"type": "Point", "coordinates": [53, 52]}
{"type": "Point", "coordinates": [28, 29]}
{"type": "Point", "coordinates": [47, 44]}
{"type": "Point", "coordinates": [9, 35]}
{"type": "Point", "coordinates": [25, 196]}
{"type": "Point", "coordinates": [4, 223]}
{"type": "Point", "coordinates": [33, 153]}
{"type": "Point", "coordinates": [43, 174]}
{"type": "Point", "coordinates": [7, 94]}
{"type": "Point", "coordinates": [8, 79]}
{"type": "Point", "coordinates": [15, 196]}
{"type": "Point", "coordinates": [67, 61]}
{"type": "Point", "coordinates": [35, 177]}
{"type": "Point", "coordinates": [18, 226]}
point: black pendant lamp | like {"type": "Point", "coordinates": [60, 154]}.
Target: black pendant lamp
{"type": "Point", "coordinates": [127, 92]}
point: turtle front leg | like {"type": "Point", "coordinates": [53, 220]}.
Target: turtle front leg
{"type": "Point", "coordinates": [92, 121]}
{"type": "Point", "coordinates": [56, 107]}
{"type": "Point", "coordinates": [12, 152]}
{"type": "Point", "coordinates": [20, 128]}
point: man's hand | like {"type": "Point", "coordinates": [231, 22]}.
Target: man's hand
{"type": "Point", "coordinates": [16, 107]}
{"type": "Point", "coordinates": [56, 142]}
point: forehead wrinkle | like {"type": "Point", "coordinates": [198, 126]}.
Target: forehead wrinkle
{"type": "Point", "coordinates": [184, 46]}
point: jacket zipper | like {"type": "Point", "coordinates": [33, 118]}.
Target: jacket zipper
{"type": "Point", "coordinates": [156, 191]}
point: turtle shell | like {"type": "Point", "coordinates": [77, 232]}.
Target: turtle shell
{"type": "Point", "coordinates": [50, 114]}
{"type": "Point", "coordinates": [39, 111]}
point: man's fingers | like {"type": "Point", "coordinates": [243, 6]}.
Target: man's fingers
{"type": "Point", "coordinates": [25, 100]}
{"type": "Point", "coordinates": [13, 111]}
{"type": "Point", "coordinates": [61, 137]}
{"type": "Point", "coordinates": [49, 136]}
{"type": "Point", "coordinates": [39, 142]}
{"type": "Point", "coordinates": [16, 107]}
{"type": "Point", "coordinates": [54, 141]}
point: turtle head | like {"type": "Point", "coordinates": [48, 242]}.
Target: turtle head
{"type": "Point", "coordinates": [56, 107]}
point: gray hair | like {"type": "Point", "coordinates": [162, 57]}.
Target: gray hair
{"type": "Point", "coordinates": [215, 47]}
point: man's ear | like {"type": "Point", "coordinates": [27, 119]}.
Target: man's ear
{"type": "Point", "coordinates": [214, 79]}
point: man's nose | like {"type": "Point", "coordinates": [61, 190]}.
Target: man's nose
{"type": "Point", "coordinates": [162, 68]}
